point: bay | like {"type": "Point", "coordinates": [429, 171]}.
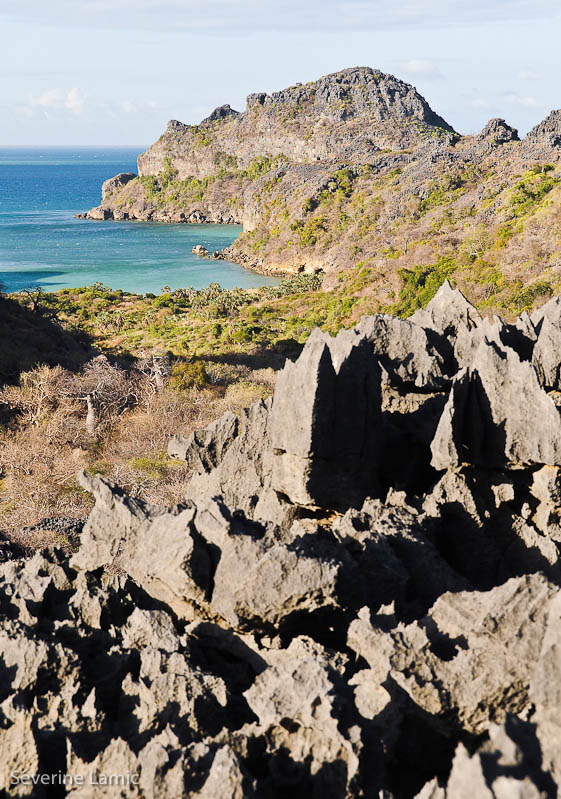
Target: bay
{"type": "Point", "coordinates": [42, 244]}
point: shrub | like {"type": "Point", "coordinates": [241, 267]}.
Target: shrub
{"type": "Point", "coordinates": [420, 284]}
{"type": "Point", "coordinates": [190, 374]}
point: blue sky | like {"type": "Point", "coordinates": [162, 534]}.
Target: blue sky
{"type": "Point", "coordinates": [114, 71]}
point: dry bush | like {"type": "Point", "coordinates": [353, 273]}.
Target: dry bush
{"type": "Point", "coordinates": [135, 453]}
{"type": "Point", "coordinates": [47, 442]}
{"type": "Point", "coordinates": [241, 395]}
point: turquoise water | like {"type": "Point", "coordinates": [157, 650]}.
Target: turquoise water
{"type": "Point", "coordinates": [41, 244]}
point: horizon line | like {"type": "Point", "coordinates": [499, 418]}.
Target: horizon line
{"type": "Point", "coordinates": [91, 146]}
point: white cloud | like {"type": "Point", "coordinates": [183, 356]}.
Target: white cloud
{"type": "Point", "coordinates": [421, 68]}
{"type": "Point", "coordinates": [138, 106]}
{"type": "Point", "coordinates": [72, 100]}
{"type": "Point", "coordinates": [480, 103]}
{"type": "Point", "coordinates": [525, 102]}
{"type": "Point", "coordinates": [71, 103]}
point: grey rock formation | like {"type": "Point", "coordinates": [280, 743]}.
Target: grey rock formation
{"type": "Point", "coordinates": [548, 131]}
{"type": "Point", "coordinates": [116, 183]}
{"type": "Point", "coordinates": [497, 132]}
{"type": "Point", "coordinates": [550, 310]}
{"type": "Point", "coordinates": [325, 615]}
{"type": "Point", "coordinates": [204, 449]}
{"type": "Point", "coordinates": [497, 416]}
{"type": "Point", "coordinates": [546, 355]}
{"type": "Point", "coordinates": [405, 351]}
{"type": "Point", "coordinates": [452, 317]}
{"type": "Point", "coordinates": [222, 112]}
{"type": "Point", "coordinates": [326, 444]}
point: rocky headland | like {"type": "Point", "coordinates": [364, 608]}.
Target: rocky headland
{"type": "Point", "coordinates": [356, 168]}
{"type": "Point", "coordinates": [358, 597]}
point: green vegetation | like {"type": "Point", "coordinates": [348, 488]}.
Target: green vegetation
{"type": "Point", "coordinates": [533, 187]}
{"type": "Point", "coordinates": [420, 284]}
{"type": "Point", "coordinates": [448, 189]}
{"type": "Point", "coordinates": [311, 231]}
{"type": "Point", "coordinates": [189, 375]}
{"type": "Point", "coordinates": [164, 190]}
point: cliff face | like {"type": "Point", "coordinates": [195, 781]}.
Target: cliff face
{"type": "Point", "coordinates": [354, 168]}
{"type": "Point", "coordinates": [348, 115]}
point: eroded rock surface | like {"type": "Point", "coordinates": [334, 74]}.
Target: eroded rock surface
{"type": "Point", "coordinates": [358, 598]}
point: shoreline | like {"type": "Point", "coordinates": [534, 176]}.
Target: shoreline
{"type": "Point", "coordinates": [240, 259]}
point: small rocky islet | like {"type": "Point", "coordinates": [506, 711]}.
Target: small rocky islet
{"type": "Point", "coordinates": [359, 597]}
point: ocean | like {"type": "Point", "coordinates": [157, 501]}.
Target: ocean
{"type": "Point", "coordinates": [41, 244]}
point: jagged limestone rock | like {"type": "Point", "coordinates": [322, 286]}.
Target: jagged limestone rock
{"type": "Point", "coordinates": [547, 353]}
{"type": "Point", "coordinates": [507, 765]}
{"type": "Point", "coordinates": [476, 657]}
{"type": "Point", "coordinates": [550, 310]}
{"type": "Point", "coordinates": [289, 634]}
{"type": "Point", "coordinates": [204, 449]}
{"type": "Point", "coordinates": [19, 756]}
{"type": "Point", "coordinates": [498, 132]}
{"type": "Point", "coordinates": [204, 563]}
{"type": "Point", "coordinates": [452, 317]}
{"type": "Point", "coordinates": [497, 416]}
{"type": "Point", "coordinates": [405, 351]}
{"type": "Point", "coordinates": [326, 422]}
{"type": "Point", "coordinates": [547, 132]}
{"type": "Point", "coordinates": [546, 488]}
{"type": "Point", "coordinates": [243, 476]}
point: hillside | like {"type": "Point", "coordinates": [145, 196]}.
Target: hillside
{"type": "Point", "coordinates": [356, 169]}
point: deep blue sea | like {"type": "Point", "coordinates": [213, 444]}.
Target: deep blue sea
{"type": "Point", "coordinates": [41, 244]}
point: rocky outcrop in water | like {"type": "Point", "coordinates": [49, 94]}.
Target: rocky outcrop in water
{"type": "Point", "coordinates": [359, 597]}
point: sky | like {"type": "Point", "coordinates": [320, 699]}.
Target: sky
{"type": "Point", "coordinates": [113, 72]}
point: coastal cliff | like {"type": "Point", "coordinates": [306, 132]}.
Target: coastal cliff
{"type": "Point", "coordinates": [356, 169]}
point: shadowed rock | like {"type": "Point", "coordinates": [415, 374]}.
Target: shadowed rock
{"type": "Point", "coordinates": [204, 449]}
{"type": "Point", "coordinates": [405, 351]}
{"type": "Point", "coordinates": [497, 416]}
{"type": "Point", "coordinates": [325, 422]}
